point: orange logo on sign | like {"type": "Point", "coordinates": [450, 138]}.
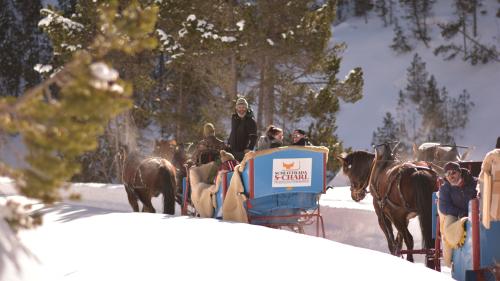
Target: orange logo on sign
{"type": "Point", "coordinates": [288, 166]}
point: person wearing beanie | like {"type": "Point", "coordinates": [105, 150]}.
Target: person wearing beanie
{"type": "Point", "coordinates": [299, 138]}
{"type": "Point", "coordinates": [458, 189]}
{"type": "Point", "coordinates": [208, 148]}
{"type": "Point", "coordinates": [243, 136]}
{"type": "Point", "coordinates": [454, 195]}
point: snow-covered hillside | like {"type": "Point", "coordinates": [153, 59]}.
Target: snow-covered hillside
{"type": "Point", "coordinates": [385, 74]}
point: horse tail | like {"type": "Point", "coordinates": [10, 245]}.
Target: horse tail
{"type": "Point", "coordinates": [423, 184]}
{"type": "Point", "coordinates": [168, 186]}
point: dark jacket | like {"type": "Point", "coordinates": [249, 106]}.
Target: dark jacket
{"type": "Point", "coordinates": [265, 143]}
{"type": "Point", "coordinates": [243, 132]}
{"type": "Point", "coordinates": [275, 143]}
{"type": "Point", "coordinates": [454, 200]}
{"type": "Point", "coordinates": [303, 141]}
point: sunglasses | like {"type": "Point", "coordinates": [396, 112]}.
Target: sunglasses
{"type": "Point", "coordinates": [451, 172]}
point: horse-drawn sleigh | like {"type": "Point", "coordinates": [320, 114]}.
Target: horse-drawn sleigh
{"type": "Point", "coordinates": [398, 195]}
{"type": "Point", "coordinates": [277, 187]}
{"type": "Point", "coordinates": [475, 242]}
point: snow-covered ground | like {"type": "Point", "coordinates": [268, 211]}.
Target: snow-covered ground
{"type": "Point", "coordinates": [99, 238]}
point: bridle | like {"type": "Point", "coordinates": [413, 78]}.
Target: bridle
{"type": "Point", "coordinates": [361, 191]}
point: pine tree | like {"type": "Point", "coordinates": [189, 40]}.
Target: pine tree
{"type": "Point", "coordinates": [465, 24]}
{"type": "Point", "coordinates": [400, 42]}
{"type": "Point", "coordinates": [362, 7]}
{"type": "Point", "coordinates": [417, 11]}
{"type": "Point", "coordinates": [208, 47]}
{"type": "Point", "coordinates": [432, 111]}
{"type": "Point", "coordinates": [385, 9]}
{"type": "Point", "coordinates": [388, 132]}
{"type": "Point", "coordinates": [202, 45]}
{"type": "Point", "coordinates": [22, 46]}
{"type": "Point", "coordinates": [427, 113]}
{"type": "Point", "coordinates": [459, 110]}
{"type": "Point", "coordinates": [416, 79]}
{"type": "Point", "coordinates": [323, 107]}
{"type": "Point", "coordinates": [61, 118]}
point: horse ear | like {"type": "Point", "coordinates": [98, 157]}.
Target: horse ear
{"type": "Point", "coordinates": [466, 153]}
{"type": "Point", "coordinates": [341, 157]}
{"type": "Point", "coordinates": [415, 150]}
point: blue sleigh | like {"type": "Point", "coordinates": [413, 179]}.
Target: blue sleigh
{"type": "Point", "coordinates": [477, 258]}
{"type": "Point", "coordinates": [481, 250]}
{"type": "Point", "coordinates": [281, 186]}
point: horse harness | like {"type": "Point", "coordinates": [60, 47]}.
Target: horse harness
{"type": "Point", "coordinates": [132, 187]}
{"type": "Point", "coordinates": [384, 200]}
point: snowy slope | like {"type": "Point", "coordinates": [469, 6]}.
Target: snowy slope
{"type": "Point", "coordinates": [385, 74]}
{"type": "Point", "coordinates": [99, 238]}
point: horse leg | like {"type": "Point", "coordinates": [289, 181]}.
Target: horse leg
{"type": "Point", "coordinates": [399, 242]}
{"type": "Point", "coordinates": [409, 243]}
{"type": "Point", "coordinates": [132, 198]}
{"type": "Point", "coordinates": [402, 226]}
{"type": "Point", "coordinates": [145, 199]}
{"type": "Point", "coordinates": [386, 226]}
{"type": "Point", "coordinates": [148, 206]}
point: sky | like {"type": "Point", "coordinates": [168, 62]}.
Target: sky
{"type": "Point", "coordinates": [99, 238]}
{"type": "Point", "coordinates": [385, 74]}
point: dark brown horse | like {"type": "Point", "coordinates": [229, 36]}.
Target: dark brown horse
{"type": "Point", "coordinates": [147, 177]}
{"type": "Point", "coordinates": [400, 191]}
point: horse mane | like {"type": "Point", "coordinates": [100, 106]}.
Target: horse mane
{"type": "Point", "coordinates": [360, 156]}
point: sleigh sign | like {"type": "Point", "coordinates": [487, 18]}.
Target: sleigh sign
{"type": "Point", "coordinates": [292, 172]}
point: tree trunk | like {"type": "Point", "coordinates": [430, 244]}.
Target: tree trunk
{"type": "Point", "coordinates": [233, 88]}
{"type": "Point", "coordinates": [114, 141]}
{"type": "Point", "coordinates": [465, 35]}
{"type": "Point", "coordinates": [180, 109]}
{"type": "Point", "coordinates": [269, 94]}
{"type": "Point", "coordinates": [262, 92]}
{"type": "Point", "coordinates": [391, 12]}
{"type": "Point", "coordinates": [474, 18]}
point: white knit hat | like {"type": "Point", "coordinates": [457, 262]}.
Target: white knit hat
{"type": "Point", "coordinates": [242, 101]}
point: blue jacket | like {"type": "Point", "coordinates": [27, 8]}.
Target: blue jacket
{"type": "Point", "coordinates": [454, 200]}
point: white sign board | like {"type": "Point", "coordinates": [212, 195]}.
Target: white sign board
{"type": "Point", "coordinates": [292, 172]}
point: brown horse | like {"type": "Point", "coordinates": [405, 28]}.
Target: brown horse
{"type": "Point", "coordinates": [147, 177]}
{"type": "Point", "coordinates": [400, 191]}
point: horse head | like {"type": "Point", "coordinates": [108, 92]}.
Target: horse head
{"type": "Point", "coordinates": [165, 149]}
{"type": "Point", "coordinates": [383, 152]}
{"type": "Point", "coordinates": [357, 167]}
